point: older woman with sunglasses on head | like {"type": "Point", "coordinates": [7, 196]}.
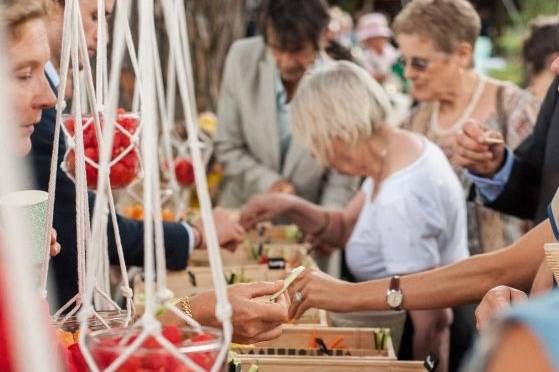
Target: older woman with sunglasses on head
{"type": "Point", "coordinates": [436, 39]}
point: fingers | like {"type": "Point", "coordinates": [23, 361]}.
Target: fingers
{"type": "Point", "coordinates": [268, 334]}
{"type": "Point", "coordinates": [55, 249]}
{"type": "Point", "coordinates": [474, 129]}
{"type": "Point", "coordinates": [259, 289]}
{"type": "Point", "coordinates": [53, 236]}
{"type": "Point", "coordinates": [516, 295]}
{"type": "Point", "coordinates": [297, 309]}
{"type": "Point", "coordinates": [494, 302]}
{"type": "Point", "coordinates": [467, 142]}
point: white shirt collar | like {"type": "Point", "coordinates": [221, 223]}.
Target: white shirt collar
{"type": "Point", "coordinates": [52, 74]}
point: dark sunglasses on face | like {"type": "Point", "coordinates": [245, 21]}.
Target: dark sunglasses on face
{"type": "Point", "coordinates": [417, 63]}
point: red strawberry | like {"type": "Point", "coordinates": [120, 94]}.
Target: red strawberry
{"type": "Point", "coordinates": [173, 334]}
{"type": "Point", "coordinates": [155, 361]}
{"type": "Point", "coordinates": [103, 357]}
{"type": "Point", "coordinates": [202, 337]}
{"type": "Point", "coordinates": [69, 123]}
{"type": "Point", "coordinates": [92, 154]}
{"type": "Point", "coordinates": [77, 358]}
{"type": "Point", "coordinates": [204, 360]}
{"type": "Point", "coordinates": [91, 176]}
{"type": "Point", "coordinates": [184, 171]}
{"type": "Point", "coordinates": [130, 161]}
{"type": "Point", "coordinates": [132, 364]}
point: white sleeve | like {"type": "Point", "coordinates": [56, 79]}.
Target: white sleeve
{"type": "Point", "coordinates": [410, 229]}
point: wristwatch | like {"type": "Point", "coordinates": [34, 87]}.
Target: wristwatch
{"type": "Point", "coordinates": [394, 295]}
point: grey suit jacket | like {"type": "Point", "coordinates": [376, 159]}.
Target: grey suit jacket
{"type": "Point", "coordinates": [247, 141]}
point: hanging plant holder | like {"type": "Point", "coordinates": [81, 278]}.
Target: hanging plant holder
{"type": "Point", "coordinates": [125, 165]}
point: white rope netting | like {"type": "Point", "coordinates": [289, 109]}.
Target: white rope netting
{"type": "Point", "coordinates": [156, 292]}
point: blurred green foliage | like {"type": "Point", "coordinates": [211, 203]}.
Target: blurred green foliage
{"type": "Point", "coordinates": [509, 44]}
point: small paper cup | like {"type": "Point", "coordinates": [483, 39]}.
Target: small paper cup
{"type": "Point", "coordinates": [32, 205]}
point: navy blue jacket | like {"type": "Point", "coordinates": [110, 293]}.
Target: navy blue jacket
{"type": "Point", "coordinates": [64, 266]}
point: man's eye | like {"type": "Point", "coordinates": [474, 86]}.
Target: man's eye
{"type": "Point", "coordinates": [25, 77]}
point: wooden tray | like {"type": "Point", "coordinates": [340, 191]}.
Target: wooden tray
{"type": "Point", "coordinates": [294, 341]}
{"type": "Point", "coordinates": [196, 279]}
{"type": "Point", "coordinates": [248, 253]}
{"type": "Point", "coordinates": [332, 364]}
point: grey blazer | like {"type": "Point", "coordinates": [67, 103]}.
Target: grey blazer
{"type": "Point", "coordinates": [247, 142]}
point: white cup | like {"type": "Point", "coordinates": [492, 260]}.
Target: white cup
{"type": "Point", "coordinates": [32, 206]}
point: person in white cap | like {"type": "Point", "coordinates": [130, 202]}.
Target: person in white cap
{"type": "Point", "coordinates": [374, 35]}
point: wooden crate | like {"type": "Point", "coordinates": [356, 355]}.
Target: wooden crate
{"type": "Point", "coordinates": [181, 283]}
{"type": "Point", "coordinates": [331, 364]}
{"type": "Point", "coordinates": [247, 253]}
{"type": "Point", "coordinates": [295, 342]}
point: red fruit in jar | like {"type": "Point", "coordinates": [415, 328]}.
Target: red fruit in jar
{"type": "Point", "coordinates": [91, 175]}
{"type": "Point", "coordinates": [202, 337]}
{"type": "Point", "coordinates": [184, 171]}
{"type": "Point", "coordinates": [151, 343]}
{"type": "Point", "coordinates": [130, 161]}
{"type": "Point", "coordinates": [90, 137]}
{"type": "Point", "coordinates": [103, 357]}
{"type": "Point", "coordinates": [69, 123]}
{"type": "Point", "coordinates": [204, 360]}
{"type": "Point", "coordinates": [155, 361]}
{"type": "Point", "coordinates": [92, 154]}
{"type": "Point", "coordinates": [172, 334]}
{"type": "Point", "coordinates": [132, 364]}
{"type": "Point", "coordinates": [77, 359]}
{"type": "Point", "coordinates": [125, 170]}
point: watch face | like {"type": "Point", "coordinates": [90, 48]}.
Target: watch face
{"type": "Point", "coordinates": [394, 298]}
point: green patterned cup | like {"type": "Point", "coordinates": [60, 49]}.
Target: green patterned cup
{"type": "Point", "coordinates": [32, 205]}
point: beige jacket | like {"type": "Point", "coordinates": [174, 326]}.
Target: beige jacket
{"type": "Point", "coordinates": [247, 141]}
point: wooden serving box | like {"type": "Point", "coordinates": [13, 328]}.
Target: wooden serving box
{"type": "Point", "coordinates": [298, 341]}
{"type": "Point", "coordinates": [332, 364]}
{"type": "Point", "coordinates": [291, 352]}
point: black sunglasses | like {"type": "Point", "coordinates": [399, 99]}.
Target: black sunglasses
{"type": "Point", "coordinates": [417, 63]}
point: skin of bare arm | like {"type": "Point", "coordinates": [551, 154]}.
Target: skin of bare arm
{"type": "Point", "coordinates": [468, 280]}
{"type": "Point", "coordinates": [308, 216]}
{"type": "Point", "coordinates": [460, 283]}
{"type": "Point", "coordinates": [519, 351]}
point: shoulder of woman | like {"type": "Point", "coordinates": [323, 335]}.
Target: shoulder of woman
{"type": "Point", "coordinates": [517, 99]}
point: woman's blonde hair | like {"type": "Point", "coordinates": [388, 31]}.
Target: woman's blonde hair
{"type": "Point", "coordinates": [15, 13]}
{"type": "Point", "coordinates": [337, 101]}
{"type": "Point", "coordinates": [447, 22]}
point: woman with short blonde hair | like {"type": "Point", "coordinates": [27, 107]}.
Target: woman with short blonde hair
{"type": "Point", "coordinates": [409, 215]}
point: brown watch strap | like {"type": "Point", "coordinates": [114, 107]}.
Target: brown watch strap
{"type": "Point", "coordinates": [395, 283]}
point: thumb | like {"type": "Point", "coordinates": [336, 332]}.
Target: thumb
{"type": "Point", "coordinates": [259, 289]}
{"type": "Point", "coordinates": [516, 296]}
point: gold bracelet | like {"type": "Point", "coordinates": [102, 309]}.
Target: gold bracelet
{"type": "Point", "coordinates": [185, 306]}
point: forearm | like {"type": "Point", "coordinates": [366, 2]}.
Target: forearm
{"type": "Point", "coordinates": [543, 281]}
{"type": "Point", "coordinates": [464, 281]}
{"type": "Point", "coordinates": [327, 225]}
